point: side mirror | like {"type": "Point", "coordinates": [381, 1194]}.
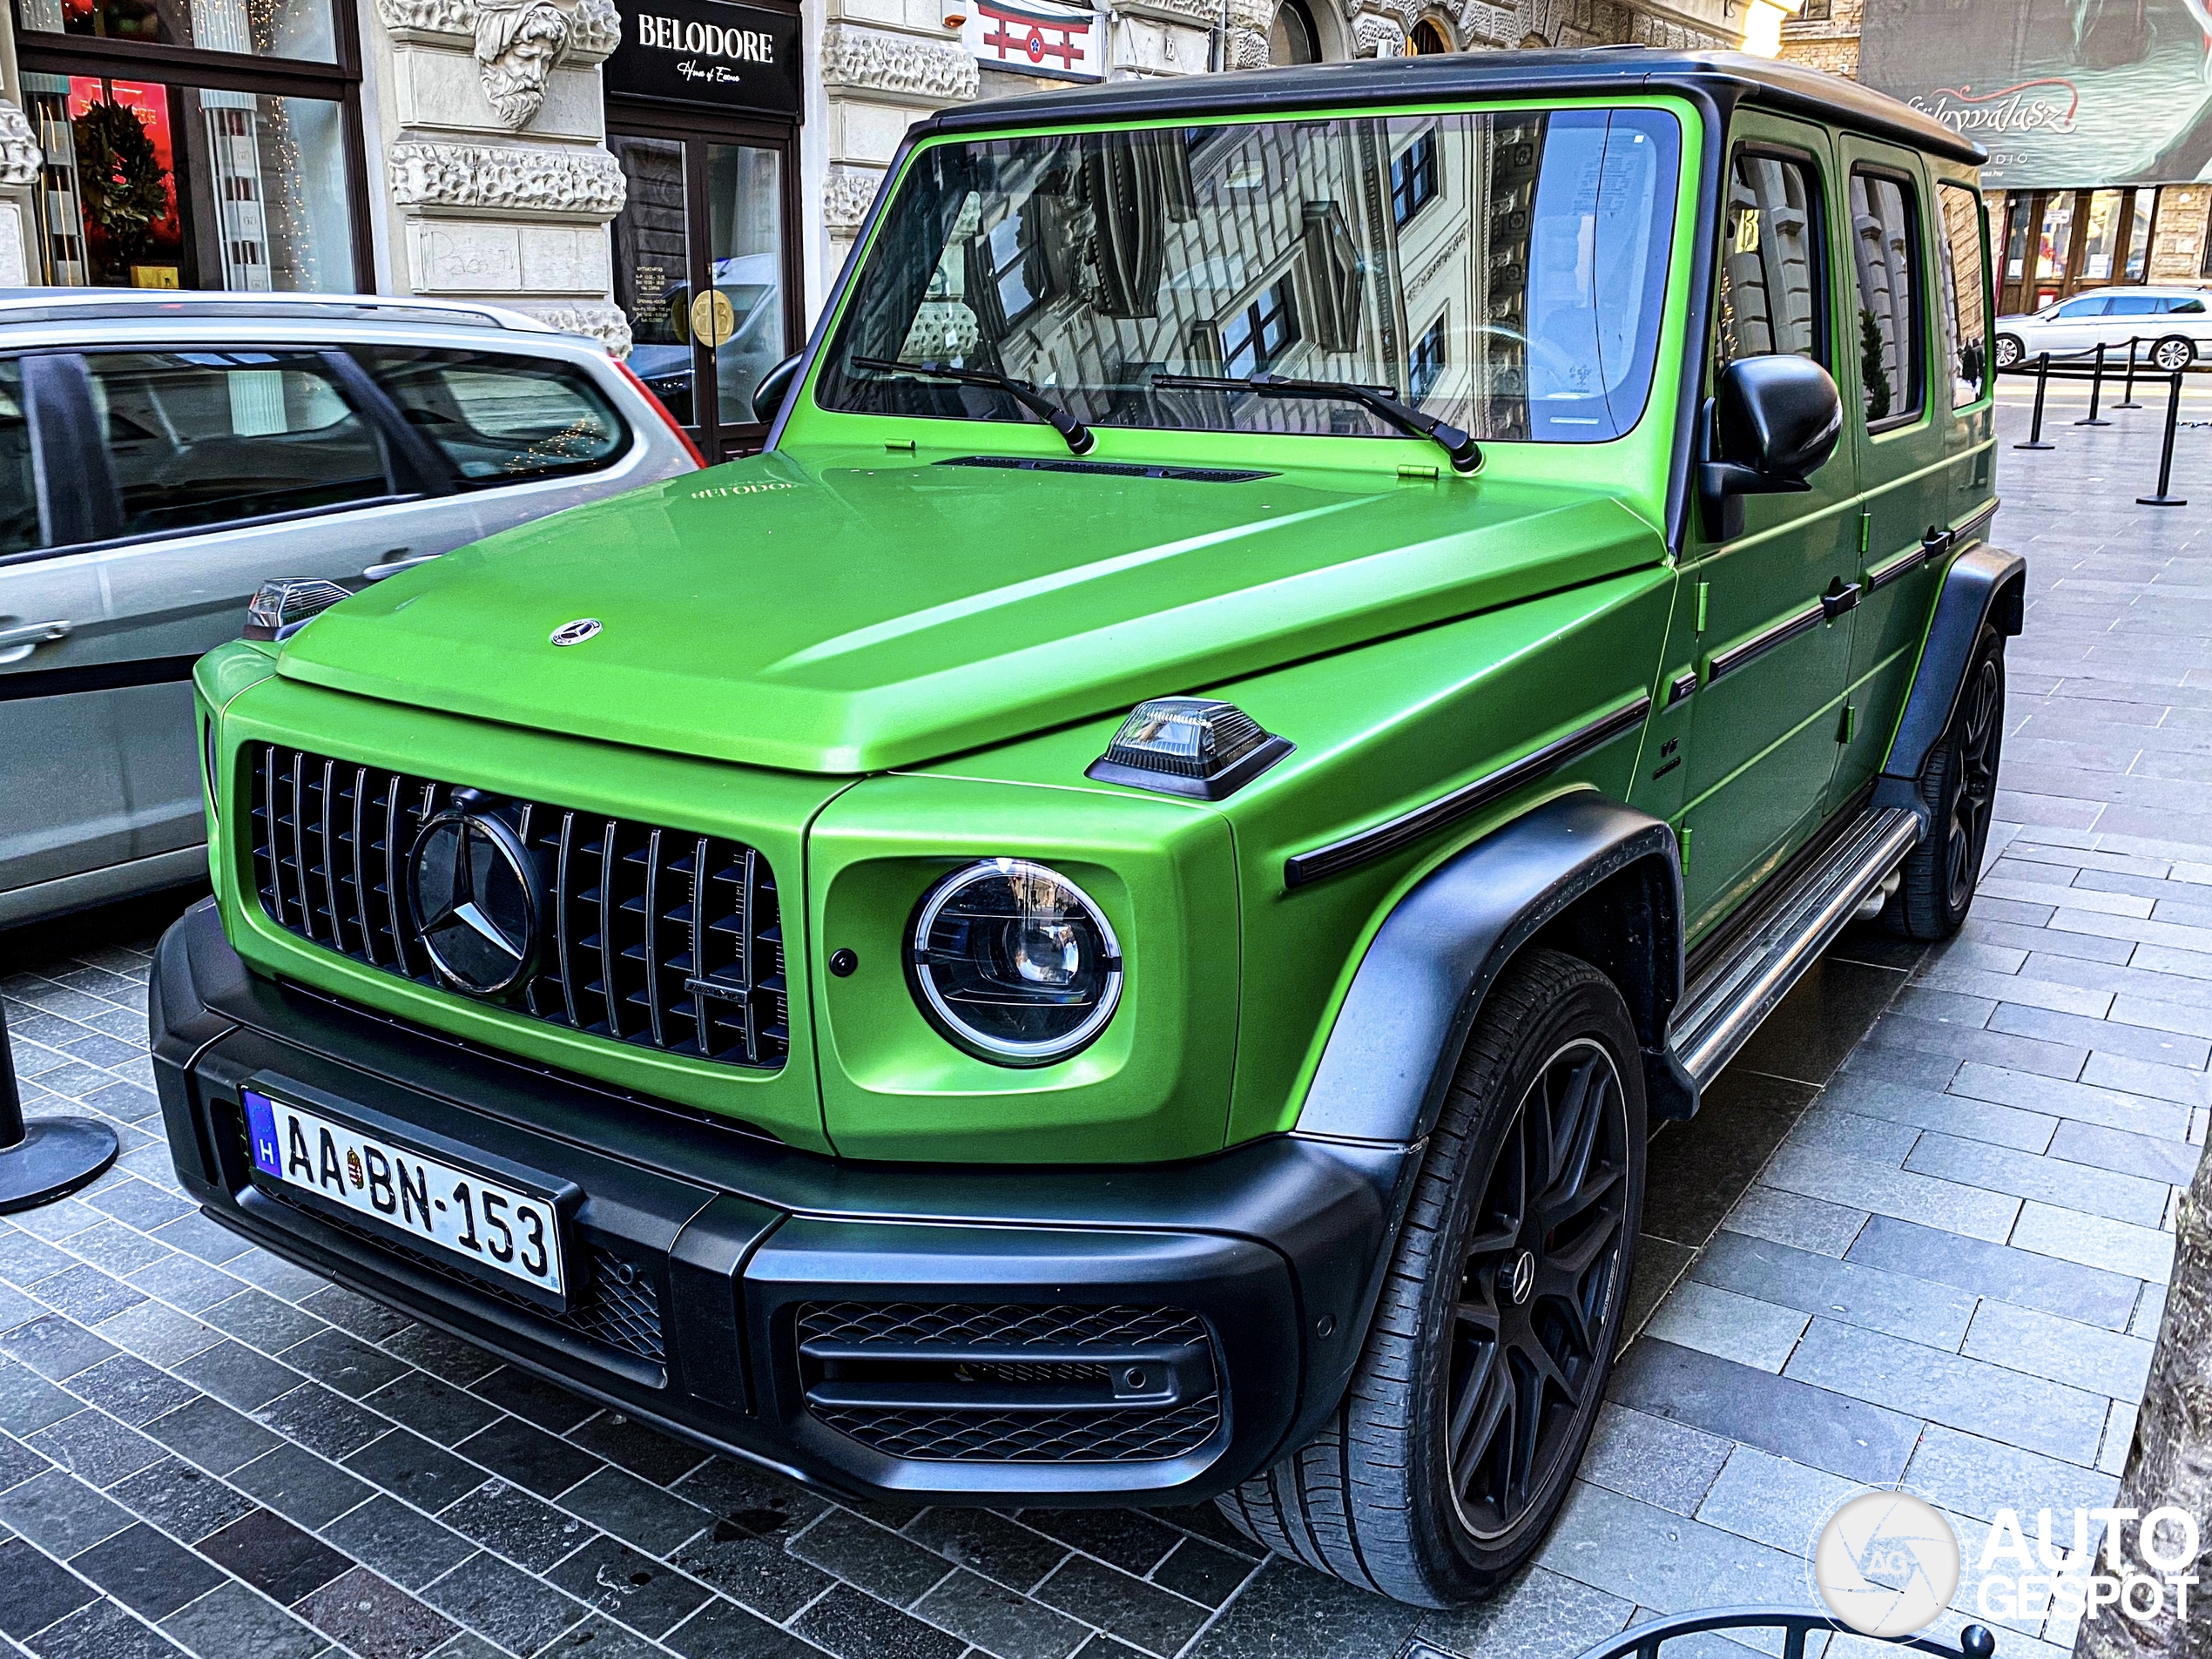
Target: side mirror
{"type": "Point", "coordinates": [1772, 423]}
{"type": "Point", "coordinates": [768, 397]}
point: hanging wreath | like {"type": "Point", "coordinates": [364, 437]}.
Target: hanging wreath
{"type": "Point", "coordinates": [121, 178]}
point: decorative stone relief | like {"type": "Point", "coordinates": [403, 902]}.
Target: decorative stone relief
{"type": "Point", "coordinates": [899, 64]}
{"type": "Point", "coordinates": [847, 193]}
{"type": "Point", "coordinates": [476, 175]}
{"type": "Point", "coordinates": [20, 158]}
{"type": "Point", "coordinates": [1373, 37]}
{"type": "Point", "coordinates": [594, 27]}
{"type": "Point", "coordinates": [518, 44]}
{"type": "Point", "coordinates": [1250, 22]}
{"type": "Point", "coordinates": [1204, 12]}
{"type": "Point", "coordinates": [605, 324]}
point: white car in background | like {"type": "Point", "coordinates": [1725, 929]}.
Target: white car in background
{"type": "Point", "coordinates": [2172, 326]}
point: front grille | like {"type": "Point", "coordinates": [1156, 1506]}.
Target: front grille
{"type": "Point", "coordinates": [659, 937]}
{"type": "Point", "coordinates": [1040, 1379]}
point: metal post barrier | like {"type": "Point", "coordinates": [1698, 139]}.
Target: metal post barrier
{"type": "Point", "coordinates": [2127, 394]}
{"type": "Point", "coordinates": [49, 1157]}
{"type": "Point", "coordinates": [2035, 426]}
{"type": "Point", "coordinates": [2096, 390]}
{"type": "Point", "coordinates": [2166, 457]}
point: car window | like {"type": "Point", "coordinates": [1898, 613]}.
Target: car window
{"type": "Point", "coordinates": [211, 437]}
{"type": "Point", "coordinates": [2136, 305]}
{"type": "Point", "coordinates": [2092, 307]}
{"type": "Point", "coordinates": [2193, 307]}
{"type": "Point", "coordinates": [1964, 310]}
{"type": "Point", "coordinates": [1883, 243]}
{"type": "Point", "coordinates": [1770, 300]}
{"type": "Point", "coordinates": [501, 419]}
{"type": "Point", "coordinates": [18, 489]}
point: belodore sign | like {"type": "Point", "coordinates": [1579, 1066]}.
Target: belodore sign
{"type": "Point", "coordinates": [712, 52]}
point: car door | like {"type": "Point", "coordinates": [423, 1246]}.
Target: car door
{"type": "Point", "coordinates": [1770, 665]}
{"type": "Point", "coordinates": [62, 805]}
{"type": "Point", "coordinates": [2074, 325]}
{"type": "Point", "coordinates": [1919, 400]}
{"type": "Point", "coordinates": [2138, 317]}
{"type": "Point", "coordinates": [227, 467]}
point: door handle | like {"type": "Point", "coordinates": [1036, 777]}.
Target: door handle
{"type": "Point", "coordinates": [33, 633]}
{"type": "Point", "coordinates": [1833, 605]}
{"type": "Point", "coordinates": [1936, 544]}
{"type": "Point", "coordinates": [394, 561]}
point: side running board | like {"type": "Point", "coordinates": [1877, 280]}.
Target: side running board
{"type": "Point", "coordinates": [1725, 1004]}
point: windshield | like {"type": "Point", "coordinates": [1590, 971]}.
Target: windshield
{"type": "Point", "coordinates": [1502, 271]}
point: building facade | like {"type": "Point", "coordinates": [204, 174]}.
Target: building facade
{"type": "Point", "coordinates": [678, 178]}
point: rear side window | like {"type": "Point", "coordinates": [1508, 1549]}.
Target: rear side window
{"type": "Point", "coordinates": [2192, 308]}
{"type": "Point", "coordinates": [2136, 305]}
{"type": "Point", "coordinates": [501, 419]}
{"type": "Point", "coordinates": [1964, 310]}
{"type": "Point", "coordinates": [1884, 240]}
{"type": "Point", "coordinates": [209, 437]}
{"type": "Point", "coordinates": [18, 489]}
{"type": "Point", "coordinates": [1771, 268]}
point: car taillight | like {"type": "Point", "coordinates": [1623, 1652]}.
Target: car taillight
{"type": "Point", "coordinates": [661, 409]}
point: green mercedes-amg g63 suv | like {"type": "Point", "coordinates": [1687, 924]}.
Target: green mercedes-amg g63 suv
{"type": "Point", "coordinates": [1107, 920]}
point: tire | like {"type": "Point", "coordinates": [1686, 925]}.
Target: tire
{"type": "Point", "coordinates": [1492, 1299]}
{"type": "Point", "coordinates": [2009, 350]}
{"type": "Point", "coordinates": [2172, 353]}
{"type": "Point", "coordinates": [1958, 787]}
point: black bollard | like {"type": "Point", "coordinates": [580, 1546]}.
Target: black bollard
{"type": "Point", "coordinates": [2127, 393]}
{"type": "Point", "coordinates": [2035, 426]}
{"type": "Point", "coordinates": [2096, 390]}
{"type": "Point", "coordinates": [2166, 457]}
{"type": "Point", "coordinates": [49, 1157]}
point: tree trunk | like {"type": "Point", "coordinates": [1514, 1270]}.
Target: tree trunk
{"type": "Point", "coordinates": [2171, 1460]}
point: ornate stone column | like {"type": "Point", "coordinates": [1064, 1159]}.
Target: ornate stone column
{"type": "Point", "coordinates": [19, 163]}
{"type": "Point", "coordinates": [883, 64]}
{"type": "Point", "coordinates": [499, 179]}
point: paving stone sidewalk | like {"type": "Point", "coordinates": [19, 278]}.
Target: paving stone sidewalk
{"type": "Point", "coordinates": [1919, 1233]}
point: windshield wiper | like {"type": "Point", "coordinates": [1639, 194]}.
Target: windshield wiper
{"type": "Point", "coordinates": [1465, 454]}
{"type": "Point", "coordinates": [1078, 438]}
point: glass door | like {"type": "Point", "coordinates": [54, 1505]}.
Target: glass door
{"type": "Point", "coordinates": [704, 271]}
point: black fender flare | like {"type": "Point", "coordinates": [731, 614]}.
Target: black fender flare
{"type": "Point", "coordinates": [1398, 1037]}
{"type": "Point", "coordinates": [1984, 584]}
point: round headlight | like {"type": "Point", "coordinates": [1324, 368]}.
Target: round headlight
{"type": "Point", "coordinates": [1013, 962]}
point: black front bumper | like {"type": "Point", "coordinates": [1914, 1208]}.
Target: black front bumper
{"type": "Point", "coordinates": [975, 1332]}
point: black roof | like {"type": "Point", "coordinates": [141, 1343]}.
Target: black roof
{"type": "Point", "coordinates": [1727, 78]}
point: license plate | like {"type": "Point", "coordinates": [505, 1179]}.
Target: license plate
{"type": "Point", "coordinates": [489, 1225]}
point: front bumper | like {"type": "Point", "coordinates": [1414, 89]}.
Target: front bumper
{"type": "Point", "coordinates": [954, 1332]}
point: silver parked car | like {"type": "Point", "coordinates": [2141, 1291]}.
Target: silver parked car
{"type": "Point", "coordinates": [162, 454]}
{"type": "Point", "coordinates": [2172, 326]}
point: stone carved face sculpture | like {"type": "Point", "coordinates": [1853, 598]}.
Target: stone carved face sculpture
{"type": "Point", "coordinates": [519, 43]}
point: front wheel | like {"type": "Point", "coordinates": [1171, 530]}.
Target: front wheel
{"type": "Point", "coordinates": [2009, 350]}
{"type": "Point", "coordinates": [1481, 1373]}
{"type": "Point", "coordinates": [2172, 352]}
{"type": "Point", "coordinates": [1958, 787]}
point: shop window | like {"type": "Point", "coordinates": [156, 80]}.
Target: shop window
{"type": "Point", "coordinates": [18, 487]}
{"type": "Point", "coordinates": [149, 184]}
{"type": "Point", "coordinates": [1256, 337]}
{"type": "Point", "coordinates": [499, 420]}
{"type": "Point", "coordinates": [302, 29]}
{"type": "Point", "coordinates": [1427, 40]}
{"type": "Point", "coordinates": [1426, 365]}
{"type": "Point", "coordinates": [1964, 314]}
{"type": "Point", "coordinates": [205, 438]}
{"type": "Point", "coordinates": [1883, 255]}
{"type": "Point", "coordinates": [1413, 178]}
{"type": "Point", "coordinates": [1772, 267]}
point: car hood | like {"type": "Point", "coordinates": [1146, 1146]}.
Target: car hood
{"type": "Point", "coordinates": [835, 612]}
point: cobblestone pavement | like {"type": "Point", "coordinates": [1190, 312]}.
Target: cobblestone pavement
{"type": "Point", "coordinates": [1919, 1234]}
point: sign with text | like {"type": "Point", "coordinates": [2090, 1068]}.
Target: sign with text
{"type": "Point", "coordinates": [2062, 93]}
{"type": "Point", "coordinates": [1037, 37]}
{"type": "Point", "coordinates": [714, 52]}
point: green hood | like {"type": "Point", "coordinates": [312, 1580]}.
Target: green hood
{"type": "Point", "coordinates": [842, 612]}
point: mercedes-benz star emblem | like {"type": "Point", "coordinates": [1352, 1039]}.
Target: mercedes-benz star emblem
{"type": "Point", "coordinates": [575, 633]}
{"type": "Point", "coordinates": [474, 899]}
{"type": "Point", "coordinates": [1524, 1278]}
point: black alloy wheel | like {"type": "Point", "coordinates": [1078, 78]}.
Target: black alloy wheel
{"type": "Point", "coordinates": [1542, 1270]}
{"type": "Point", "coordinates": [1973, 803]}
{"type": "Point", "coordinates": [1958, 788]}
{"type": "Point", "coordinates": [1482, 1368]}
